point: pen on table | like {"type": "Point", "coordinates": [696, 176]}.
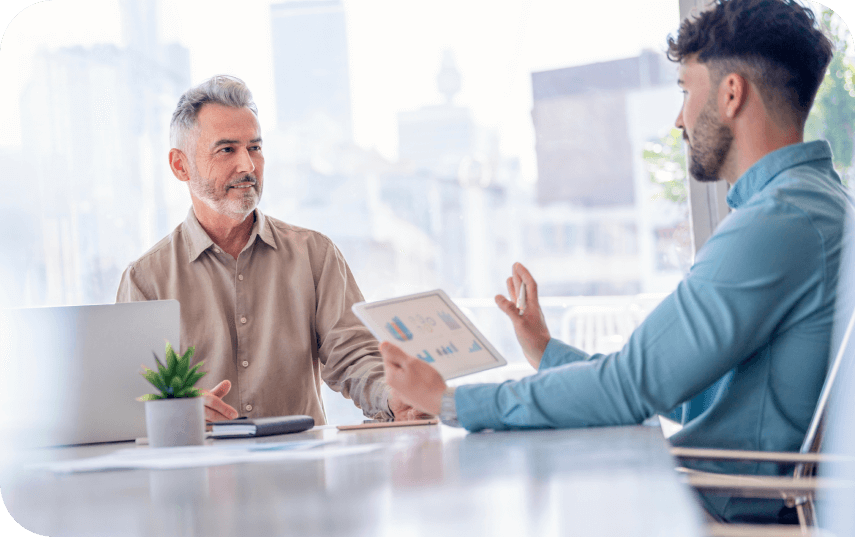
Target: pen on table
{"type": "Point", "coordinates": [521, 298]}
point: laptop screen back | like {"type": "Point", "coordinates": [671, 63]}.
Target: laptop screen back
{"type": "Point", "coordinates": [71, 374]}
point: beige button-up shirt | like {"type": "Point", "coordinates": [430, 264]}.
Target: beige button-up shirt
{"type": "Point", "coordinates": [275, 322]}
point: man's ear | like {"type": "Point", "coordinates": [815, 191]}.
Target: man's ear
{"type": "Point", "coordinates": [179, 164]}
{"type": "Point", "coordinates": [733, 92]}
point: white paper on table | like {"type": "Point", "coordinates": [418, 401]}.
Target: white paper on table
{"type": "Point", "coordinates": [210, 455]}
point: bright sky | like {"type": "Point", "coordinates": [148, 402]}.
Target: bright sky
{"type": "Point", "coordinates": [394, 49]}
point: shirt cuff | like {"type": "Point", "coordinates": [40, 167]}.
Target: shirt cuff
{"type": "Point", "coordinates": [475, 407]}
{"type": "Point", "coordinates": [384, 411]}
{"type": "Point", "coordinates": [448, 408]}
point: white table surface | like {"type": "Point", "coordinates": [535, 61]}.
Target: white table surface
{"type": "Point", "coordinates": [428, 480]}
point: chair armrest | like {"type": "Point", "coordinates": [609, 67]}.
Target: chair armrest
{"type": "Point", "coordinates": [781, 457]}
{"type": "Point", "coordinates": [752, 486]}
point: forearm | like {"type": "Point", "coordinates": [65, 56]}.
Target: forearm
{"type": "Point", "coordinates": [361, 380]}
{"type": "Point", "coordinates": [579, 394]}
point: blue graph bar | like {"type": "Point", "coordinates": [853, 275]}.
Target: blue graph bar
{"type": "Point", "coordinates": [427, 357]}
{"type": "Point", "coordinates": [475, 347]}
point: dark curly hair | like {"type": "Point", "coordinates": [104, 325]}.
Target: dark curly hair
{"type": "Point", "coordinates": [776, 44]}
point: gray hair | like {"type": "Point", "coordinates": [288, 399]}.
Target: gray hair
{"type": "Point", "coordinates": [220, 89]}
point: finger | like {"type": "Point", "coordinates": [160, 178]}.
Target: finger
{"type": "Point", "coordinates": [217, 405]}
{"type": "Point", "coordinates": [509, 308]}
{"type": "Point", "coordinates": [530, 285]}
{"type": "Point", "coordinates": [221, 389]}
{"type": "Point", "coordinates": [512, 293]}
{"type": "Point", "coordinates": [395, 354]}
{"type": "Point", "coordinates": [517, 281]}
{"type": "Point", "coordinates": [213, 415]}
{"type": "Point", "coordinates": [391, 355]}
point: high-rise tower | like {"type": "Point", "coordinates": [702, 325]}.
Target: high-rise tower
{"type": "Point", "coordinates": [310, 63]}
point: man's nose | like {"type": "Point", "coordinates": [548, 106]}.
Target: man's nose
{"type": "Point", "coordinates": [245, 163]}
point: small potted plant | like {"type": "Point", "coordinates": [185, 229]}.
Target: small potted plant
{"type": "Point", "coordinates": [176, 415]}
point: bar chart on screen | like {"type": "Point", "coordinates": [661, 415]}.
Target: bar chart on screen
{"type": "Point", "coordinates": [446, 349]}
{"type": "Point", "coordinates": [399, 330]}
{"type": "Point", "coordinates": [450, 321]}
{"type": "Point", "coordinates": [425, 356]}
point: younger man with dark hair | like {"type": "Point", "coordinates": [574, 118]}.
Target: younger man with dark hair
{"type": "Point", "coordinates": [755, 310]}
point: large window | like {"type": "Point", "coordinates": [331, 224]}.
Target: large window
{"type": "Point", "coordinates": [435, 142]}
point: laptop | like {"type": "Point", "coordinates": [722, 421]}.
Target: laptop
{"type": "Point", "coordinates": [70, 375]}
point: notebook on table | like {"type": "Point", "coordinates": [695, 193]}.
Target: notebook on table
{"type": "Point", "coordinates": [245, 428]}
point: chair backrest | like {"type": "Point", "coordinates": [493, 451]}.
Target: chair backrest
{"type": "Point", "coordinates": [813, 437]}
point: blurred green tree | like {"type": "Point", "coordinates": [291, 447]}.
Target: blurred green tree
{"type": "Point", "coordinates": [665, 161]}
{"type": "Point", "coordinates": [833, 115]}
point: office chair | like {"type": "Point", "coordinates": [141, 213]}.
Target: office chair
{"type": "Point", "coordinates": [798, 491]}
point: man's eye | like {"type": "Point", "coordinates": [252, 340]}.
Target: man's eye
{"type": "Point", "coordinates": [255, 148]}
{"type": "Point", "coordinates": [226, 150]}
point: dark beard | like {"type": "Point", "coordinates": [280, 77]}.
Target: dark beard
{"type": "Point", "coordinates": [710, 148]}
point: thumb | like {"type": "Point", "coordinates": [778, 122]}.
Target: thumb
{"type": "Point", "coordinates": [393, 356]}
{"type": "Point", "coordinates": [221, 389]}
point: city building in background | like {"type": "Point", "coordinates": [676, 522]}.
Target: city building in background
{"type": "Point", "coordinates": [598, 230]}
{"type": "Point", "coordinates": [310, 64]}
{"type": "Point", "coordinates": [94, 127]}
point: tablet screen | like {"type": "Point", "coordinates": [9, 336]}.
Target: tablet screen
{"type": "Point", "coordinates": [430, 327]}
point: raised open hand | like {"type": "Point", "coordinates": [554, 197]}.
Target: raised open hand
{"type": "Point", "coordinates": [529, 323]}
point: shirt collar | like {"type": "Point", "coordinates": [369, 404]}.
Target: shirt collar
{"type": "Point", "coordinates": [768, 167]}
{"type": "Point", "coordinates": [198, 239]}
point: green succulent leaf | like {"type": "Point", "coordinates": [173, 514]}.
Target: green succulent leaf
{"type": "Point", "coordinates": [194, 369]}
{"type": "Point", "coordinates": [189, 392]}
{"type": "Point", "coordinates": [175, 386]}
{"type": "Point", "coordinates": [182, 368]}
{"type": "Point", "coordinates": [160, 367]}
{"type": "Point", "coordinates": [171, 359]}
{"type": "Point", "coordinates": [153, 378]}
{"type": "Point", "coordinates": [176, 378]}
{"type": "Point", "coordinates": [193, 378]}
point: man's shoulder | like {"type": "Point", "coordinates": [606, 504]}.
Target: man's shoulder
{"type": "Point", "coordinates": [289, 233]}
{"type": "Point", "coordinates": [164, 251]}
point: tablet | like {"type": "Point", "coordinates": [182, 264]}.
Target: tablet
{"type": "Point", "coordinates": [430, 327]}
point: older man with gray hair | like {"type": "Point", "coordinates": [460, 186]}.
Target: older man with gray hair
{"type": "Point", "coordinates": [265, 303]}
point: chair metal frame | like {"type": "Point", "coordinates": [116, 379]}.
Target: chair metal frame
{"type": "Point", "coordinates": [798, 491]}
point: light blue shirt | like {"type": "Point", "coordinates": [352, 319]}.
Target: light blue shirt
{"type": "Point", "coordinates": [756, 311]}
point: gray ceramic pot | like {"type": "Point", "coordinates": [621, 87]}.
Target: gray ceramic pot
{"type": "Point", "coordinates": [175, 422]}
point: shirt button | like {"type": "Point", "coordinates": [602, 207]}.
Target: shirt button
{"type": "Point", "coordinates": [240, 277]}
{"type": "Point", "coordinates": [217, 250]}
{"type": "Point", "coordinates": [248, 408]}
{"type": "Point", "coordinates": [243, 320]}
{"type": "Point", "coordinates": [245, 363]}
